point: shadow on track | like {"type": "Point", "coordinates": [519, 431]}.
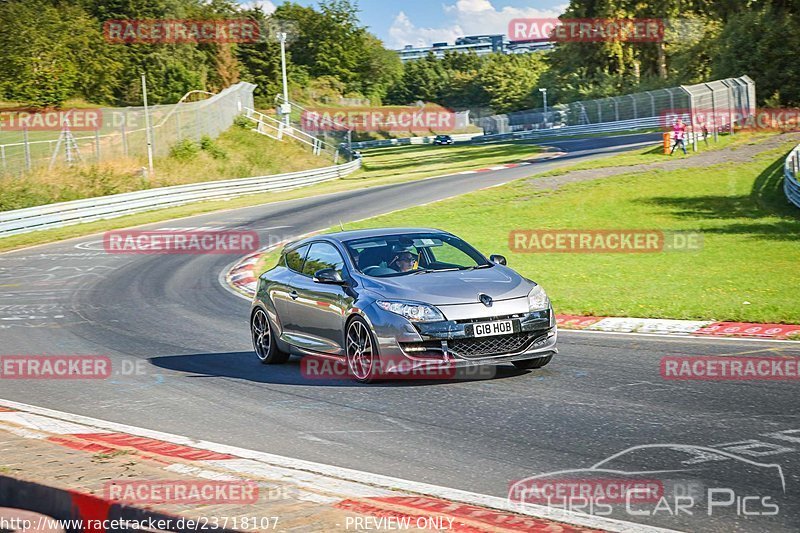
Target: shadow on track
{"type": "Point", "coordinates": [245, 366]}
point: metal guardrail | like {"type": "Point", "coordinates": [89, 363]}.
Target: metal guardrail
{"type": "Point", "coordinates": [790, 171]}
{"type": "Point", "coordinates": [604, 127]}
{"type": "Point", "coordinates": [105, 207]}
{"type": "Point", "coordinates": [410, 140]}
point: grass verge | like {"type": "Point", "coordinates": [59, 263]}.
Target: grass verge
{"type": "Point", "coordinates": [746, 269]}
{"type": "Point", "coordinates": [237, 153]}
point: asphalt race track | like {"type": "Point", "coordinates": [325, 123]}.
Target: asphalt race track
{"type": "Point", "coordinates": [197, 375]}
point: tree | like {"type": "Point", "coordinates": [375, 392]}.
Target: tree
{"type": "Point", "coordinates": [63, 54]}
{"type": "Point", "coordinates": [511, 81]}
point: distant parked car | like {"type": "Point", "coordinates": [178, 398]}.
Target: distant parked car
{"type": "Point", "coordinates": [443, 139]}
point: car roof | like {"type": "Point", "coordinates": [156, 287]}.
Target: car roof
{"type": "Point", "coordinates": [342, 236]}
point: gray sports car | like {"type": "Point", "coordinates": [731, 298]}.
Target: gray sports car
{"type": "Point", "coordinates": [392, 302]}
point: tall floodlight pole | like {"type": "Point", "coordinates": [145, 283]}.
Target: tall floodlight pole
{"type": "Point", "coordinates": [544, 96]}
{"type": "Point", "coordinates": [148, 133]}
{"type": "Point", "coordinates": [286, 110]}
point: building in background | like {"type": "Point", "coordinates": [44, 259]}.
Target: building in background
{"type": "Point", "coordinates": [479, 44]}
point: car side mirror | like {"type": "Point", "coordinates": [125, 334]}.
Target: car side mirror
{"type": "Point", "coordinates": [499, 259]}
{"type": "Point", "coordinates": [328, 275]}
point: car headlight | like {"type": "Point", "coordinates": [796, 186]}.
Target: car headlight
{"type": "Point", "coordinates": [537, 299]}
{"type": "Point", "coordinates": [416, 312]}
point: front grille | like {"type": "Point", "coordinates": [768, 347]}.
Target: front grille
{"type": "Point", "coordinates": [484, 319]}
{"type": "Point", "coordinates": [486, 346]}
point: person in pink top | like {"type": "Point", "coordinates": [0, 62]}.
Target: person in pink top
{"type": "Point", "coordinates": [679, 134]}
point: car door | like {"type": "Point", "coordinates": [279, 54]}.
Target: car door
{"type": "Point", "coordinates": [320, 307]}
{"type": "Point", "coordinates": [283, 295]}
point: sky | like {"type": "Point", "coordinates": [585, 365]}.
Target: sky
{"type": "Point", "coordinates": [424, 22]}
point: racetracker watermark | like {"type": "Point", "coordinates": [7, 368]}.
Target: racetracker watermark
{"type": "Point", "coordinates": [388, 369]}
{"type": "Point", "coordinates": [53, 120]}
{"type": "Point", "coordinates": [420, 119]}
{"type": "Point", "coordinates": [767, 119]}
{"type": "Point", "coordinates": [603, 241]}
{"type": "Point", "coordinates": [543, 491]}
{"type": "Point", "coordinates": [208, 492]}
{"type": "Point", "coordinates": [177, 31]}
{"type": "Point", "coordinates": [587, 30]}
{"type": "Point", "coordinates": [713, 368]}
{"type": "Point", "coordinates": [59, 367]}
{"type": "Point", "coordinates": [180, 242]}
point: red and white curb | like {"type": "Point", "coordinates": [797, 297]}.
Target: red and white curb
{"type": "Point", "coordinates": [350, 490]}
{"type": "Point", "coordinates": [552, 155]}
{"type": "Point", "coordinates": [241, 277]}
{"type": "Point", "coordinates": [495, 167]}
{"type": "Point", "coordinates": [660, 326]}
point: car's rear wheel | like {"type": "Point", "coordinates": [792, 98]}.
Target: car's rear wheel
{"type": "Point", "coordinates": [530, 364]}
{"type": "Point", "coordinates": [264, 341]}
{"type": "Point", "coordinates": [362, 356]}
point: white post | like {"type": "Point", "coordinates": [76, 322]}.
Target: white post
{"type": "Point", "coordinates": [286, 116]}
{"type": "Point", "coordinates": [148, 133]}
{"type": "Point", "coordinates": [544, 96]}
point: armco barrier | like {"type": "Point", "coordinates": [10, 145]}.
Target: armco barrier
{"type": "Point", "coordinates": [648, 123]}
{"type": "Point", "coordinates": [104, 207]}
{"type": "Point", "coordinates": [409, 140]}
{"type": "Point", "coordinates": [790, 170]}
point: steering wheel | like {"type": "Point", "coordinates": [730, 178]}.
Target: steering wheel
{"type": "Point", "coordinates": [369, 269]}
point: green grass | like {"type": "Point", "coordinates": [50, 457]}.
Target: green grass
{"type": "Point", "coordinates": [237, 153]}
{"type": "Point", "coordinates": [750, 247]}
{"type": "Point", "coordinates": [381, 171]}
{"type": "Point", "coordinates": [428, 160]}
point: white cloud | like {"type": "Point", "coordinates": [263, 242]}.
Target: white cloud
{"type": "Point", "coordinates": [403, 32]}
{"type": "Point", "coordinates": [465, 17]}
{"type": "Point", "coordinates": [266, 6]}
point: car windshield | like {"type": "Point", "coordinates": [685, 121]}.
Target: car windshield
{"type": "Point", "coordinates": [403, 254]}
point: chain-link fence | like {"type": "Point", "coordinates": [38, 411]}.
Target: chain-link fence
{"type": "Point", "coordinates": [718, 103]}
{"type": "Point", "coordinates": [95, 135]}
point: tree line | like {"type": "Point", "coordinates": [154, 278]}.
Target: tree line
{"type": "Point", "coordinates": [55, 50]}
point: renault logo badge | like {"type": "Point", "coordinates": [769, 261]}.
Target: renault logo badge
{"type": "Point", "coordinates": [485, 299]}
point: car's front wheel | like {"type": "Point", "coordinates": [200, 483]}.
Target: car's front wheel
{"type": "Point", "coordinates": [264, 341]}
{"type": "Point", "coordinates": [362, 356]}
{"type": "Point", "coordinates": [530, 364]}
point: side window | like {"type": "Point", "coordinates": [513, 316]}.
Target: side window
{"type": "Point", "coordinates": [323, 255]}
{"type": "Point", "coordinates": [294, 259]}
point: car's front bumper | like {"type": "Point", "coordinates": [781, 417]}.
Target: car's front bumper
{"type": "Point", "coordinates": [450, 343]}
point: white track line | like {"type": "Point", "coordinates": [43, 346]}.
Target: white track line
{"type": "Point", "coordinates": [356, 476]}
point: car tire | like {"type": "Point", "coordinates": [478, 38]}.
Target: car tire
{"type": "Point", "coordinates": [264, 342]}
{"type": "Point", "coordinates": [530, 364]}
{"type": "Point", "coordinates": [361, 351]}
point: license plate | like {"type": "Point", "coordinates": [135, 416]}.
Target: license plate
{"type": "Point", "coordinates": [486, 329]}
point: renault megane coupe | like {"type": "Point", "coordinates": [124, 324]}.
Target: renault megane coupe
{"type": "Point", "coordinates": [385, 300]}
